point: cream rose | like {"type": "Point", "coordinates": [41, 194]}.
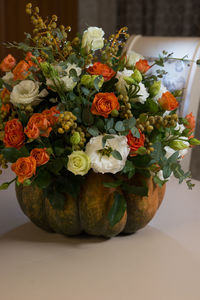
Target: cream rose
{"type": "Point", "coordinates": [78, 163]}
{"type": "Point", "coordinates": [101, 163]}
{"type": "Point", "coordinates": [132, 58]}
{"type": "Point", "coordinates": [93, 38]}
{"type": "Point", "coordinates": [27, 92]}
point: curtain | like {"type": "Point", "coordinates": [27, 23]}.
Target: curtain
{"type": "Point", "coordinates": [160, 17]}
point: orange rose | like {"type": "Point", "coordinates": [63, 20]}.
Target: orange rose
{"type": "Point", "coordinates": [142, 65]}
{"type": "Point", "coordinates": [20, 72]}
{"type": "Point", "coordinates": [40, 155]}
{"type": "Point", "coordinates": [50, 114]}
{"type": "Point", "coordinates": [191, 122]}
{"type": "Point", "coordinates": [5, 95]}
{"type": "Point", "coordinates": [7, 63]}
{"type": "Point", "coordinates": [168, 101]}
{"type": "Point", "coordinates": [38, 123]}
{"type": "Point", "coordinates": [101, 69]}
{"type": "Point", "coordinates": [14, 136]}
{"type": "Point", "coordinates": [5, 108]}
{"type": "Point", "coordinates": [135, 143]}
{"type": "Point", "coordinates": [32, 131]}
{"type": "Point", "coordinates": [104, 103]}
{"type": "Point", "coordinates": [24, 168]}
{"type": "Point", "coordinates": [28, 59]}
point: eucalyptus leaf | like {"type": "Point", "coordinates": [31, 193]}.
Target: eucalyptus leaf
{"type": "Point", "coordinates": [113, 184]}
{"type": "Point", "coordinates": [116, 154]}
{"type": "Point", "coordinates": [117, 210]}
{"type": "Point", "coordinates": [119, 126]}
{"type": "Point", "coordinates": [105, 138]}
{"type": "Point", "coordinates": [93, 131]}
{"type": "Point", "coordinates": [135, 132]}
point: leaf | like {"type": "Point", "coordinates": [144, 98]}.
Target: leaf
{"type": "Point", "coordinates": [109, 123]}
{"type": "Point", "coordinates": [105, 138]}
{"type": "Point", "coordinates": [55, 165]}
{"type": "Point", "coordinates": [113, 184]}
{"type": "Point", "coordinates": [87, 117]}
{"type": "Point", "coordinates": [93, 131]}
{"type": "Point", "coordinates": [119, 126]}
{"type": "Point", "coordinates": [157, 181]}
{"type": "Point", "coordinates": [112, 131]}
{"type": "Point", "coordinates": [117, 210]}
{"type": "Point", "coordinates": [151, 106]}
{"type": "Point", "coordinates": [4, 186]}
{"type": "Point", "coordinates": [158, 152]}
{"type": "Point", "coordinates": [85, 91]}
{"type": "Point", "coordinates": [131, 122]}
{"type": "Point", "coordinates": [173, 158]}
{"type": "Point", "coordinates": [141, 161]}
{"type": "Point", "coordinates": [129, 169]}
{"type": "Point", "coordinates": [96, 82]}
{"type": "Point", "coordinates": [43, 179]}
{"type": "Point", "coordinates": [100, 124]}
{"type": "Point", "coordinates": [116, 154]}
{"type": "Point", "coordinates": [59, 147]}
{"type": "Point", "coordinates": [166, 171]}
{"type": "Point", "coordinates": [135, 132]}
{"type": "Point", "coordinates": [77, 112]}
{"type": "Point", "coordinates": [11, 154]}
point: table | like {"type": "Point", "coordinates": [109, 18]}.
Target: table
{"type": "Point", "coordinates": [160, 262]}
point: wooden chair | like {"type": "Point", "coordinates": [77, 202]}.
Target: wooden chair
{"type": "Point", "coordinates": [180, 74]}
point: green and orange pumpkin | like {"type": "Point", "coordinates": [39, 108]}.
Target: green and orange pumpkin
{"type": "Point", "coordinates": [89, 212]}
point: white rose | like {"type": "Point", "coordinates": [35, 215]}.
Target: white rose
{"type": "Point", "coordinates": [103, 163]}
{"type": "Point", "coordinates": [27, 92]}
{"type": "Point", "coordinates": [8, 77]}
{"type": "Point", "coordinates": [132, 58]}
{"type": "Point", "coordinates": [64, 77]}
{"type": "Point", "coordinates": [93, 38]}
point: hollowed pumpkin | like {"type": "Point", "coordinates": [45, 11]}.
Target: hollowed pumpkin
{"type": "Point", "coordinates": [89, 213]}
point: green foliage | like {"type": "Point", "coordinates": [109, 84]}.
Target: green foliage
{"type": "Point", "coordinates": [117, 210]}
{"type": "Point", "coordinates": [12, 154]}
{"type": "Point", "coordinates": [116, 154]}
{"type": "Point", "coordinates": [129, 169]}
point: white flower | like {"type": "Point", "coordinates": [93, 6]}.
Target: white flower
{"type": "Point", "coordinates": [179, 127]}
{"type": "Point", "coordinates": [64, 77]}
{"type": "Point", "coordinates": [103, 163]}
{"type": "Point", "coordinates": [121, 84]}
{"type": "Point", "coordinates": [93, 38]}
{"type": "Point", "coordinates": [8, 77]}
{"type": "Point", "coordinates": [161, 91]}
{"type": "Point", "coordinates": [132, 58]}
{"type": "Point", "coordinates": [27, 92]}
{"type": "Point", "coordinates": [143, 94]}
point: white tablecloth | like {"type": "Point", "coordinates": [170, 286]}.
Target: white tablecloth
{"type": "Point", "coordinates": [160, 262]}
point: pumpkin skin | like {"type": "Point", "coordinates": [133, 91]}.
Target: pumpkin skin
{"type": "Point", "coordinates": [89, 212]}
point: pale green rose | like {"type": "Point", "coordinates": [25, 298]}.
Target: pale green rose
{"type": "Point", "coordinates": [88, 81]}
{"type": "Point", "coordinates": [93, 38]}
{"type": "Point", "coordinates": [155, 88]}
{"type": "Point", "coordinates": [137, 76]}
{"type": "Point", "coordinates": [78, 163]}
{"type": "Point", "coordinates": [75, 138]}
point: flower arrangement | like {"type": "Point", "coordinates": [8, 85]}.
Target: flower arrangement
{"type": "Point", "coordinates": [70, 107]}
